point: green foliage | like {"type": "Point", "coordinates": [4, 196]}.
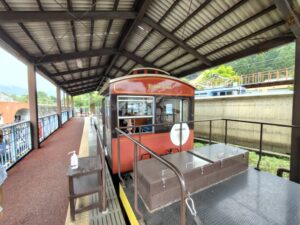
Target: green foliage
{"type": "Point", "coordinates": [21, 98]}
{"type": "Point", "coordinates": [45, 99]}
{"type": "Point", "coordinates": [85, 100]}
{"type": "Point", "coordinates": [198, 144]}
{"type": "Point", "coordinates": [223, 75]}
{"type": "Point", "coordinates": [184, 79]}
{"type": "Point", "coordinates": [269, 164]}
{"type": "Point", "coordinates": [277, 58]}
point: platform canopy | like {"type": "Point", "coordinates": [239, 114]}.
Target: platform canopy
{"type": "Point", "coordinates": [80, 43]}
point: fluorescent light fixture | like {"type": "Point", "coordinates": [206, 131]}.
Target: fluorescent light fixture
{"type": "Point", "coordinates": [142, 28]}
{"type": "Point", "coordinates": [79, 63]}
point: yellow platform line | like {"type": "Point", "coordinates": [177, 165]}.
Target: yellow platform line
{"type": "Point", "coordinates": [129, 211]}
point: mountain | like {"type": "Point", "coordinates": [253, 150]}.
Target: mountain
{"type": "Point", "coordinates": [13, 90]}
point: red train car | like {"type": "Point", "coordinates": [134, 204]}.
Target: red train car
{"type": "Point", "coordinates": [144, 97]}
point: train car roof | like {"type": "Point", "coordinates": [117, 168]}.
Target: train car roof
{"type": "Point", "coordinates": [111, 81]}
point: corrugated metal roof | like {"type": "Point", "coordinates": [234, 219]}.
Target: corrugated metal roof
{"type": "Point", "coordinates": [187, 31]}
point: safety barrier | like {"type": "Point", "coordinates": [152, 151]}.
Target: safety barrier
{"type": "Point", "coordinates": [17, 142]}
{"type": "Point", "coordinates": [47, 125]}
{"type": "Point", "coordinates": [64, 117]}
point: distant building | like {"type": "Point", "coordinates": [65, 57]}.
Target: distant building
{"type": "Point", "coordinates": [11, 112]}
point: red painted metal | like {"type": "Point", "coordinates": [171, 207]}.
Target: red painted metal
{"type": "Point", "coordinates": [152, 86]}
{"type": "Point", "coordinates": [159, 142]}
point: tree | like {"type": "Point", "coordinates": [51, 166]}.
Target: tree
{"type": "Point", "coordinates": [219, 76]}
{"type": "Point", "coordinates": [87, 101]}
{"type": "Point", "coordinates": [277, 58]}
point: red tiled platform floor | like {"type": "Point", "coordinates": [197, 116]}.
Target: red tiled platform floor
{"type": "Point", "coordinates": [36, 190]}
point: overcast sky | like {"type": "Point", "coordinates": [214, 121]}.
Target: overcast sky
{"type": "Point", "coordinates": [14, 73]}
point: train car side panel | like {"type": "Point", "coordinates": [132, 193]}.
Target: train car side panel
{"type": "Point", "coordinates": [159, 142]}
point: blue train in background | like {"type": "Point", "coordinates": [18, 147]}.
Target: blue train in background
{"type": "Point", "coordinates": [238, 90]}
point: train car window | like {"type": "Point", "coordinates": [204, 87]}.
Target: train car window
{"type": "Point", "coordinates": [135, 111]}
{"type": "Point", "coordinates": [171, 110]}
{"type": "Point", "coordinates": [185, 110]}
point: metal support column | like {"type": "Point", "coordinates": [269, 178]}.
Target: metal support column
{"type": "Point", "coordinates": [295, 147]}
{"type": "Point", "coordinates": [58, 105]}
{"type": "Point", "coordinates": [33, 105]}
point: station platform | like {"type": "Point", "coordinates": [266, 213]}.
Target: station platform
{"type": "Point", "coordinates": [249, 198]}
{"type": "Point", "coordinates": [114, 215]}
{"type": "Point", "coordinates": [36, 190]}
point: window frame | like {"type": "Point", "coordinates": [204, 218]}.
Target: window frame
{"type": "Point", "coordinates": [137, 117]}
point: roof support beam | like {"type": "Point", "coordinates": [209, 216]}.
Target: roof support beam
{"type": "Point", "coordinates": [246, 52]}
{"type": "Point", "coordinates": [137, 59]}
{"type": "Point", "coordinates": [14, 45]}
{"type": "Point", "coordinates": [74, 55]}
{"type": "Point", "coordinates": [77, 71]}
{"type": "Point", "coordinates": [252, 35]}
{"type": "Point", "coordinates": [83, 92]}
{"type": "Point", "coordinates": [201, 7]}
{"type": "Point", "coordinates": [246, 21]}
{"type": "Point", "coordinates": [173, 38]}
{"type": "Point", "coordinates": [79, 80]}
{"type": "Point", "coordinates": [82, 84]}
{"type": "Point", "coordinates": [38, 16]}
{"type": "Point", "coordinates": [127, 32]}
{"type": "Point", "coordinates": [288, 14]}
{"type": "Point", "coordinates": [81, 87]}
{"type": "Point", "coordinates": [248, 37]}
{"type": "Point", "coordinates": [215, 20]}
{"type": "Point", "coordinates": [83, 70]}
{"type": "Point", "coordinates": [51, 31]}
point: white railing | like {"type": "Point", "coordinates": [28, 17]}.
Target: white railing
{"type": "Point", "coordinates": [17, 142]}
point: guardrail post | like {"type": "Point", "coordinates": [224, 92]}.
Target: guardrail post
{"type": "Point", "coordinates": [210, 125]}
{"type": "Point", "coordinates": [225, 141]}
{"type": "Point", "coordinates": [180, 141]}
{"type": "Point", "coordinates": [58, 106]}
{"type": "Point", "coordinates": [119, 160]}
{"type": "Point", "coordinates": [260, 145]}
{"type": "Point", "coordinates": [135, 174]}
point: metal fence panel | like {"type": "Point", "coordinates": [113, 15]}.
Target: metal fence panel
{"type": "Point", "coordinates": [17, 142]}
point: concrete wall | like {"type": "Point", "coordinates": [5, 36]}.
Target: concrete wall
{"type": "Point", "coordinates": [276, 108]}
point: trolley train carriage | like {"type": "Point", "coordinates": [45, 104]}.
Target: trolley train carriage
{"type": "Point", "coordinates": [143, 109]}
{"type": "Point", "coordinates": [145, 96]}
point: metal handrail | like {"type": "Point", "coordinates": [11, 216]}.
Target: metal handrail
{"type": "Point", "coordinates": [262, 124]}
{"type": "Point", "coordinates": [265, 123]}
{"type": "Point", "coordinates": [102, 155]}
{"type": "Point", "coordinates": [171, 124]}
{"type": "Point", "coordinates": [179, 175]}
{"type": "Point", "coordinates": [14, 124]}
{"type": "Point", "coordinates": [261, 133]}
{"type": "Point", "coordinates": [48, 115]}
